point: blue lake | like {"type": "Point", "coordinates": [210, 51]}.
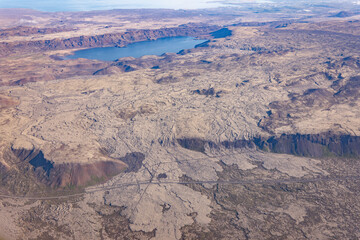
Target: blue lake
{"type": "Point", "coordinates": [138, 49]}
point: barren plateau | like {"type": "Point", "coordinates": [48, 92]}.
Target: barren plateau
{"type": "Point", "coordinates": [253, 134]}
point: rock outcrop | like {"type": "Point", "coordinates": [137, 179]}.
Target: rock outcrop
{"type": "Point", "coordinates": [321, 145]}
{"type": "Point", "coordinates": [312, 145]}
{"type": "Point", "coordinates": [72, 174]}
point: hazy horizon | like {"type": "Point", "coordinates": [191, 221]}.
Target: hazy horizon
{"type": "Point", "coordinates": [89, 5]}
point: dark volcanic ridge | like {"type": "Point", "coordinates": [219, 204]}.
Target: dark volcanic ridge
{"type": "Point", "coordinates": [321, 145]}
{"type": "Point", "coordinates": [32, 164]}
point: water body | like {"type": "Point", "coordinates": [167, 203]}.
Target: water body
{"type": "Point", "coordinates": [222, 33]}
{"type": "Point", "coordinates": [138, 49]}
{"type": "Point", "coordinates": [88, 5]}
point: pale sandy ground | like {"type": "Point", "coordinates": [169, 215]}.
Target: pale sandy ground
{"type": "Point", "coordinates": [60, 115]}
